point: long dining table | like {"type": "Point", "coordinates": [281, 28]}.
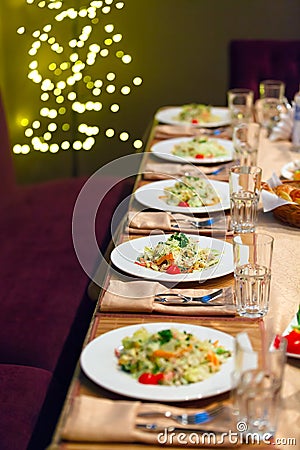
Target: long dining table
{"type": "Point", "coordinates": [284, 303]}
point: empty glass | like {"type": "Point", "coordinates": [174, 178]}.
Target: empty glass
{"type": "Point", "coordinates": [252, 257]}
{"type": "Point", "coordinates": [245, 187]}
{"type": "Point", "coordinates": [240, 104]}
{"type": "Point", "coordinates": [245, 142]}
{"type": "Point", "coordinates": [257, 381]}
{"type": "Point", "coordinates": [271, 103]}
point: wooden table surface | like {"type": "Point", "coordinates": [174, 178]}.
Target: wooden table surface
{"type": "Point", "coordinates": [284, 301]}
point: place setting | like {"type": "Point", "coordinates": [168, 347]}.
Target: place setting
{"type": "Point", "coordinates": [142, 414]}
{"type": "Point", "coordinates": [249, 374]}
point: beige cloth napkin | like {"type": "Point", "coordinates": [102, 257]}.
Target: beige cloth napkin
{"type": "Point", "coordinates": [169, 131]}
{"type": "Point", "coordinates": [138, 296]}
{"type": "Point", "coordinates": [94, 419]}
{"type": "Point", "coordinates": [163, 171]}
{"type": "Point", "coordinates": [144, 223]}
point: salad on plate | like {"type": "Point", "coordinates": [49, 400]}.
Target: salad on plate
{"type": "Point", "coordinates": [191, 192]}
{"type": "Point", "coordinates": [200, 148]}
{"type": "Point", "coordinates": [178, 254]}
{"type": "Point", "coordinates": [196, 113]}
{"type": "Point", "coordinates": [170, 357]}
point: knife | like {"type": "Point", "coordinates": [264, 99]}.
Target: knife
{"type": "Point", "coordinates": [155, 428]}
{"type": "Point", "coordinates": [182, 299]}
{"type": "Point", "coordinates": [182, 302]}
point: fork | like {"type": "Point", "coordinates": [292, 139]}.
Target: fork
{"type": "Point", "coordinates": [188, 419]}
{"type": "Point", "coordinates": [185, 298]}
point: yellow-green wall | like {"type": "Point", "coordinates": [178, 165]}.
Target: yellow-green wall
{"type": "Point", "coordinates": [178, 47]}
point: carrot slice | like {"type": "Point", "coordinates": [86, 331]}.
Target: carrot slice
{"type": "Point", "coordinates": [168, 258]}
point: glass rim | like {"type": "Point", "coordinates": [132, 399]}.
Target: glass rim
{"type": "Point", "coordinates": [245, 169]}
{"type": "Point", "coordinates": [240, 91]}
{"type": "Point", "coordinates": [269, 239]}
{"type": "Point", "coordinates": [272, 82]}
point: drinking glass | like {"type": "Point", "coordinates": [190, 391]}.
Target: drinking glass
{"type": "Point", "coordinates": [245, 142]}
{"type": "Point", "coordinates": [252, 258]}
{"type": "Point", "coordinates": [240, 104]}
{"type": "Point", "coordinates": [244, 186]}
{"type": "Point", "coordinates": [257, 381]}
{"type": "Point", "coordinates": [271, 104]}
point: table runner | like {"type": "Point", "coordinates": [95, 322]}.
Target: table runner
{"type": "Point", "coordinates": [284, 301]}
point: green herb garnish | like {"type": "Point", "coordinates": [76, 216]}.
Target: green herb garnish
{"type": "Point", "coordinates": [165, 336]}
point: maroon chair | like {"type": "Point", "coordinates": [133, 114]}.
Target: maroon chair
{"type": "Point", "coordinates": [252, 61]}
{"type": "Point", "coordinates": [45, 309]}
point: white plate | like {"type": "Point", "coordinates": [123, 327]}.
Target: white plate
{"type": "Point", "coordinates": [124, 256]}
{"type": "Point", "coordinates": [287, 171]}
{"type": "Point", "coordinates": [292, 324]}
{"type": "Point", "coordinates": [167, 116]}
{"type": "Point", "coordinates": [163, 150]}
{"type": "Point", "coordinates": [99, 363]}
{"type": "Point", "coordinates": [149, 195]}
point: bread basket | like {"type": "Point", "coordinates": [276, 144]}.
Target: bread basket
{"type": "Point", "coordinates": [289, 213]}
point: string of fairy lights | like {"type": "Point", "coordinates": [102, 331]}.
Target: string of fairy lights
{"type": "Point", "coordinates": [61, 122]}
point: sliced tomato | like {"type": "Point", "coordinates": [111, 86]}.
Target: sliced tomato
{"type": "Point", "coordinates": [143, 264]}
{"type": "Point", "coordinates": [194, 120]}
{"type": "Point", "coordinates": [199, 156]}
{"type": "Point", "coordinates": [150, 378]}
{"type": "Point", "coordinates": [185, 204]}
{"type": "Point", "coordinates": [293, 342]}
{"type": "Point", "coordinates": [173, 269]}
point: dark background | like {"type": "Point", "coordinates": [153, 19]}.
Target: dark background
{"type": "Point", "coordinates": [180, 48]}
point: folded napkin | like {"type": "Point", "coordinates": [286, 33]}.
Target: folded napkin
{"type": "Point", "coordinates": [164, 171]}
{"type": "Point", "coordinates": [144, 223]}
{"type": "Point", "coordinates": [94, 419]}
{"type": "Point", "coordinates": [138, 296]}
{"type": "Point", "coordinates": [172, 131]}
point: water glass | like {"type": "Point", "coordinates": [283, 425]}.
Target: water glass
{"type": "Point", "coordinates": [240, 104]}
{"type": "Point", "coordinates": [245, 187]}
{"type": "Point", "coordinates": [271, 103]}
{"type": "Point", "coordinates": [257, 381]}
{"type": "Point", "coordinates": [252, 257]}
{"type": "Point", "coordinates": [245, 142]}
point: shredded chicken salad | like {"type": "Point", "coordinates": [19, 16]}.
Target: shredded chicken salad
{"type": "Point", "coordinates": [178, 254]}
{"type": "Point", "coordinates": [191, 192]}
{"type": "Point", "coordinates": [200, 148]}
{"type": "Point", "coordinates": [170, 357]}
{"type": "Point", "coordinates": [196, 113]}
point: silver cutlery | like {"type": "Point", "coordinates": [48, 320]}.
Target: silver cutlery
{"type": "Point", "coordinates": [155, 428]}
{"type": "Point", "coordinates": [186, 419]}
{"type": "Point", "coordinates": [216, 171]}
{"type": "Point", "coordinates": [185, 299]}
{"type": "Point", "coordinates": [197, 223]}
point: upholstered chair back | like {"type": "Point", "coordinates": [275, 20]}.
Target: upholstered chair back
{"type": "Point", "coordinates": [251, 61]}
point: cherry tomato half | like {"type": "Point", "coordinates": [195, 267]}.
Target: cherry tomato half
{"type": "Point", "coordinates": [293, 342]}
{"type": "Point", "coordinates": [183, 204]}
{"type": "Point", "coordinates": [150, 378]}
{"type": "Point", "coordinates": [199, 156]}
{"type": "Point", "coordinates": [173, 269]}
{"type": "Point", "coordinates": [143, 264]}
{"type": "Point", "coordinates": [194, 121]}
